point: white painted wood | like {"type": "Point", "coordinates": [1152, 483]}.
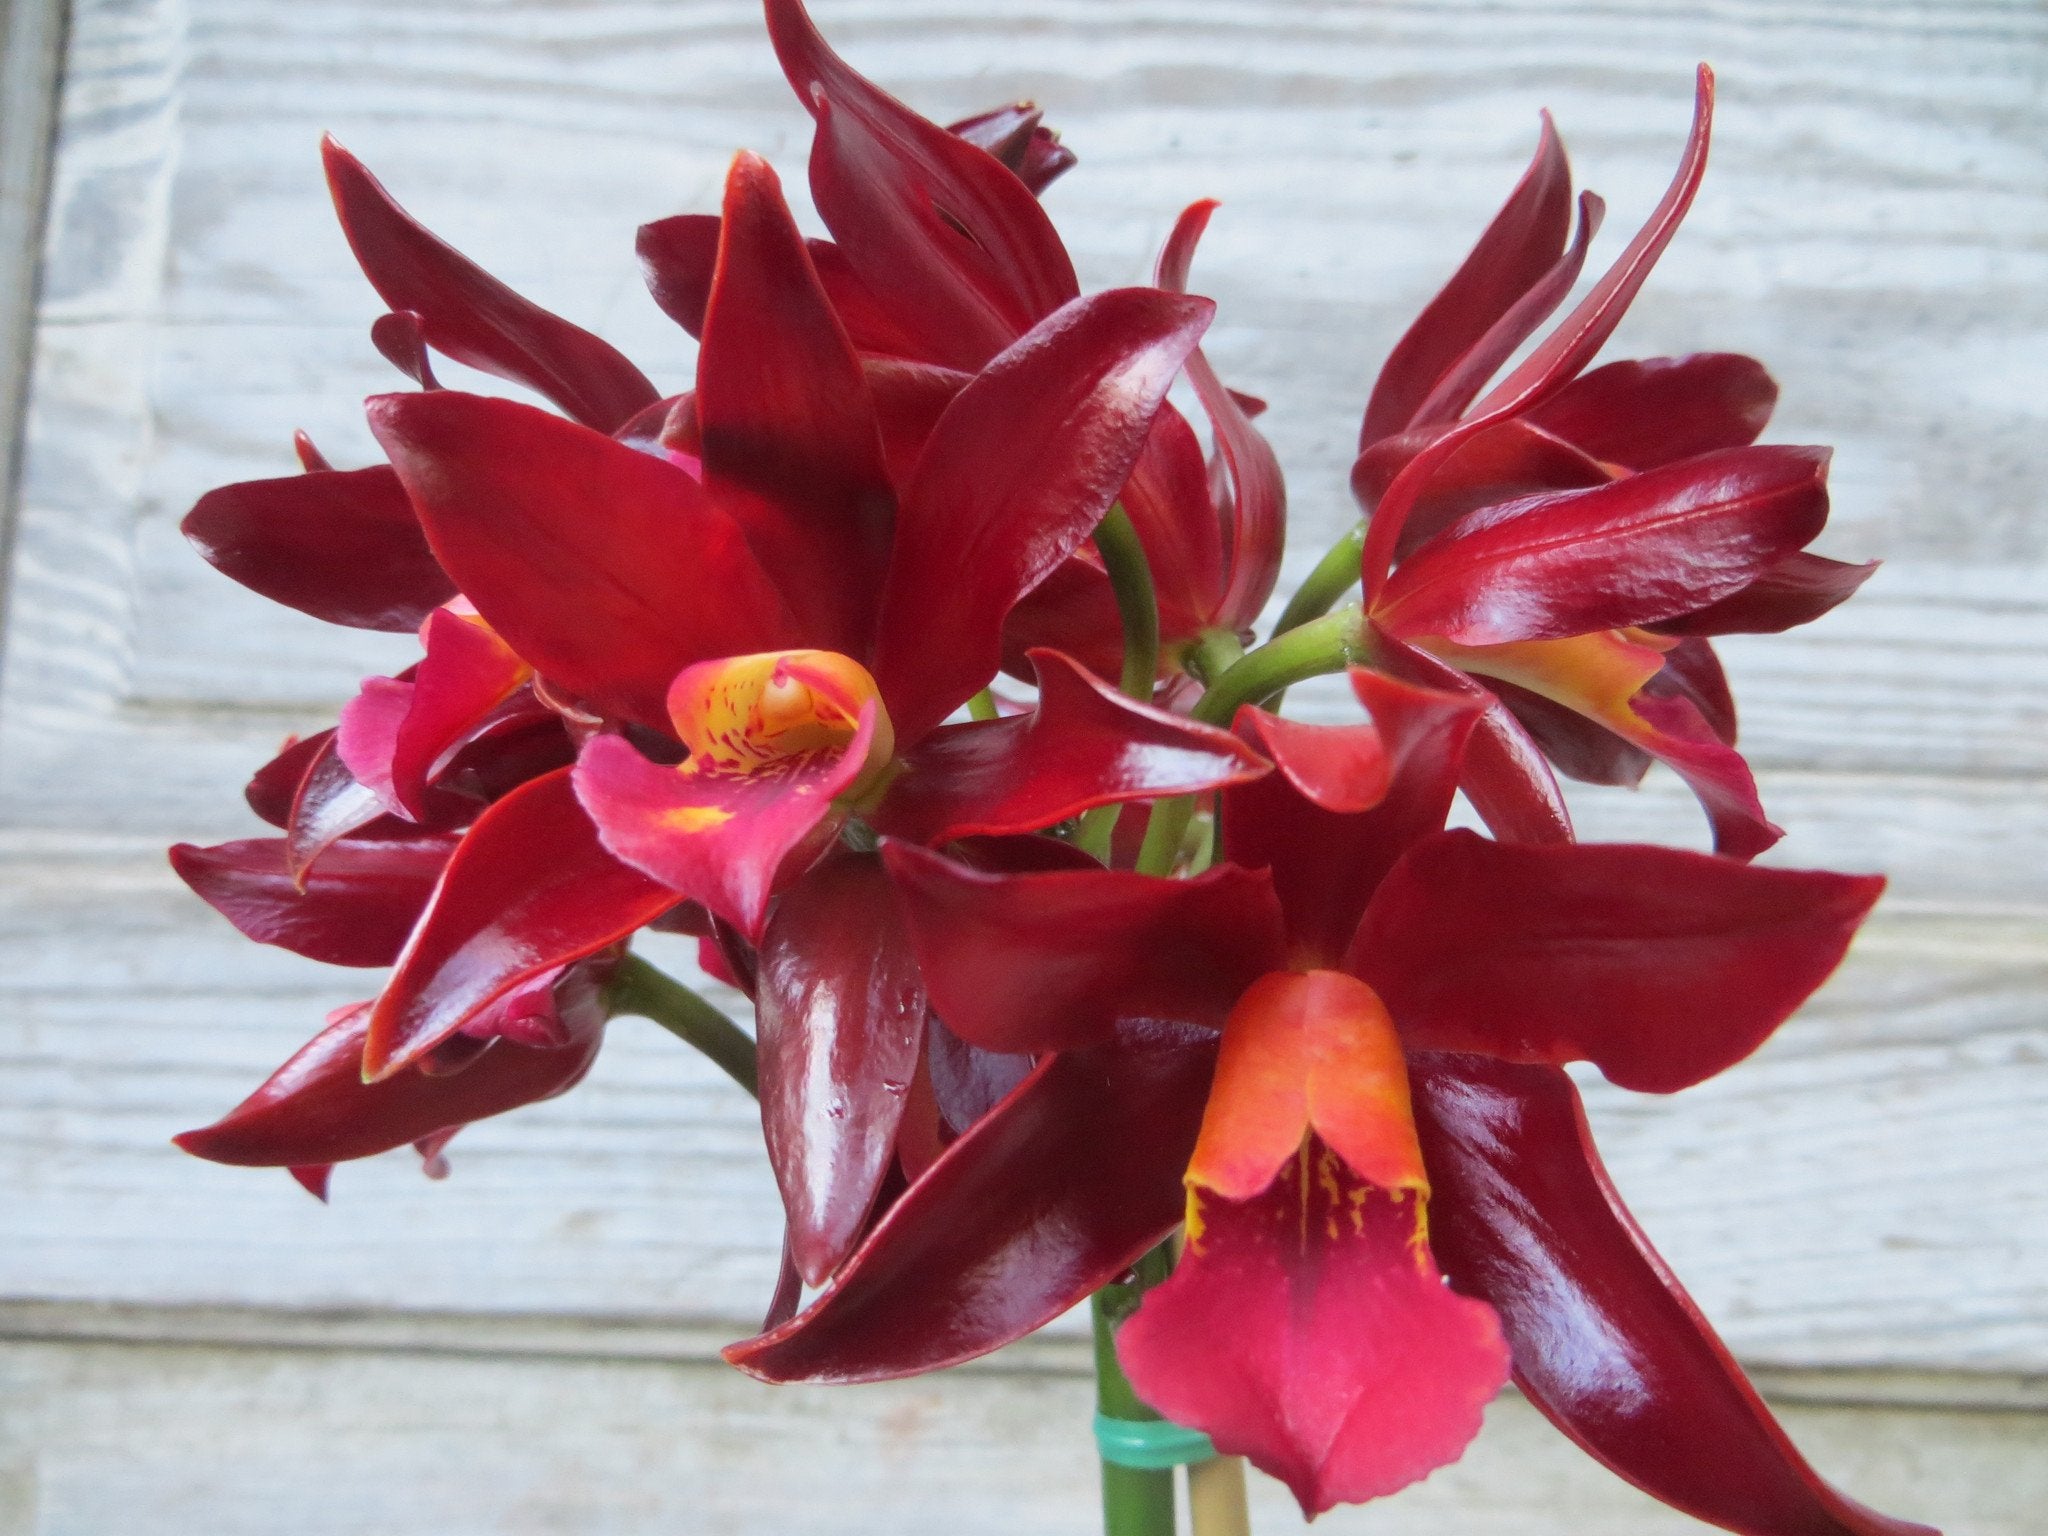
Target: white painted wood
{"type": "Point", "coordinates": [1865, 1197]}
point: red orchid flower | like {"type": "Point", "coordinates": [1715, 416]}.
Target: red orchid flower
{"type": "Point", "coordinates": [1363, 969]}
{"type": "Point", "coordinates": [941, 257]}
{"type": "Point", "coordinates": [1572, 541]}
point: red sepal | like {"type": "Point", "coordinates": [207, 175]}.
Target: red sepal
{"type": "Point", "coordinates": [1659, 966]}
{"type": "Point", "coordinates": [316, 1110]}
{"type": "Point", "coordinates": [841, 1018]}
{"type": "Point", "coordinates": [1018, 471]}
{"type": "Point", "coordinates": [471, 316]}
{"type": "Point", "coordinates": [1797, 590]}
{"type": "Point", "coordinates": [272, 787]}
{"type": "Point", "coordinates": [944, 234]}
{"type": "Point", "coordinates": [1521, 244]}
{"type": "Point", "coordinates": [789, 439]}
{"type": "Point", "coordinates": [1016, 135]}
{"type": "Point", "coordinates": [341, 545]}
{"type": "Point", "coordinates": [1606, 1343]}
{"type": "Point", "coordinates": [1345, 803]}
{"type": "Point", "coordinates": [1015, 1222]}
{"type": "Point", "coordinates": [356, 907]}
{"type": "Point", "coordinates": [1041, 962]}
{"type": "Point", "coordinates": [529, 888]}
{"type": "Point", "coordinates": [1086, 744]}
{"type": "Point", "coordinates": [607, 569]}
{"type": "Point", "coordinates": [1635, 551]}
{"type": "Point", "coordinates": [1662, 409]}
{"type": "Point", "coordinates": [1308, 1329]}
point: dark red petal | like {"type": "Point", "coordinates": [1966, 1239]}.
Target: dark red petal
{"type": "Point", "coordinates": [272, 787]}
{"type": "Point", "coordinates": [1085, 745]}
{"type": "Point", "coordinates": [726, 839]}
{"type": "Point", "coordinates": [909, 398]}
{"type": "Point", "coordinates": [1560, 356]}
{"type": "Point", "coordinates": [316, 1109]}
{"type": "Point", "coordinates": [358, 905]}
{"type": "Point", "coordinates": [1693, 671]}
{"type": "Point", "coordinates": [1504, 774]}
{"type": "Point", "coordinates": [1506, 462]}
{"type": "Point", "coordinates": [789, 437]}
{"type": "Point", "coordinates": [1662, 409]}
{"type": "Point", "coordinates": [1170, 506]}
{"type": "Point", "coordinates": [1678, 735]}
{"type": "Point", "coordinates": [841, 1017]}
{"type": "Point", "coordinates": [677, 257]}
{"type": "Point", "coordinates": [605, 568]}
{"type": "Point", "coordinates": [1041, 962]}
{"type": "Point", "coordinates": [1256, 524]}
{"type": "Point", "coordinates": [528, 889]}
{"type": "Point", "coordinates": [1606, 1343]}
{"type": "Point", "coordinates": [341, 545]}
{"type": "Point", "coordinates": [1018, 471]}
{"type": "Point", "coordinates": [1519, 246]}
{"type": "Point", "coordinates": [329, 803]}
{"type": "Point", "coordinates": [401, 337]}
{"type": "Point", "coordinates": [968, 1082]}
{"type": "Point", "coordinates": [1579, 747]}
{"type": "Point", "coordinates": [1333, 820]}
{"type": "Point", "coordinates": [1308, 1330]}
{"type": "Point", "coordinates": [944, 234]}
{"type": "Point", "coordinates": [1016, 135]}
{"type": "Point", "coordinates": [1637, 550]}
{"type": "Point", "coordinates": [1659, 966]}
{"type": "Point", "coordinates": [1015, 1222]}
{"type": "Point", "coordinates": [470, 315]}
{"type": "Point", "coordinates": [1797, 590]}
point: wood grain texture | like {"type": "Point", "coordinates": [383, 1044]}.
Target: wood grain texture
{"type": "Point", "coordinates": [189, 1442]}
{"type": "Point", "coordinates": [1865, 1195]}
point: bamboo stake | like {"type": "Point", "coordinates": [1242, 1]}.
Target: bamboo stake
{"type": "Point", "coordinates": [1216, 1498]}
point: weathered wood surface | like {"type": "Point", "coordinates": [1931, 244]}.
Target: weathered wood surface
{"type": "Point", "coordinates": [1864, 1197]}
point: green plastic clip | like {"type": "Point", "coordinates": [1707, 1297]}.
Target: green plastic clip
{"type": "Point", "coordinates": [1150, 1445]}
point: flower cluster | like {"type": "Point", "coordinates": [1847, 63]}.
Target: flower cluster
{"type": "Point", "coordinates": [903, 661]}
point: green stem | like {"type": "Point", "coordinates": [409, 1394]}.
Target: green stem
{"type": "Point", "coordinates": [639, 988]}
{"type": "Point", "coordinates": [1328, 644]}
{"type": "Point", "coordinates": [1334, 575]}
{"type": "Point", "coordinates": [1134, 1502]}
{"type": "Point", "coordinates": [1212, 653]}
{"type": "Point", "coordinates": [1137, 605]}
{"type": "Point", "coordinates": [1130, 579]}
{"type": "Point", "coordinates": [982, 706]}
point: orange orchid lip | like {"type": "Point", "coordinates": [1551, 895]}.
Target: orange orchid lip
{"type": "Point", "coordinates": [744, 714]}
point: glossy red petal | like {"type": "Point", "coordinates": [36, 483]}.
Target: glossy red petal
{"type": "Point", "coordinates": [1648, 547]}
{"type": "Point", "coordinates": [677, 257]}
{"type": "Point", "coordinates": [1561, 354]}
{"type": "Point", "coordinates": [341, 545]}
{"type": "Point", "coordinates": [1170, 506]}
{"type": "Point", "coordinates": [841, 1018]}
{"type": "Point", "coordinates": [358, 905]}
{"type": "Point", "coordinates": [1506, 462]}
{"type": "Point", "coordinates": [1018, 471]}
{"type": "Point", "coordinates": [944, 234]}
{"type": "Point", "coordinates": [1015, 1223]}
{"type": "Point", "coordinates": [1693, 671]}
{"type": "Point", "coordinates": [1345, 804]}
{"type": "Point", "coordinates": [529, 888]}
{"type": "Point", "coordinates": [1797, 590]}
{"type": "Point", "coordinates": [789, 438]}
{"type": "Point", "coordinates": [1308, 1330]}
{"type": "Point", "coordinates": [1519, 246]}
{"type": "Point", "coordinates": [1086, 744]}
{"type": "Point", "coordinates": [1016, 135]}
{"type": "Point", "coordinates": [909, 398]}
{"type": "Point", "coordinates": [1659, 966]}
{"type": "Point", "coordinates": [605, 568]}
{"type": "Point", "coordinates": [719, 837]}
{"type": "Point", "coordinates": [271, 788]}
{"type": "Point", "coordinates": [1606, 1343]}
{"type": "Point", "coordinates": [1675, 733]}
{"type": "Point", "coordinates": [1256, 522]}
{"type": "Point", "coordinates": [1662, 409]}
{"type": "Point", "coordinates": [470, 315]}
{"type": "Point", "coordinates": [329, 803]}
{"type": "Point", "coordinates": [1052, 961]}
{"type": "Point", "coordinates": [401, 338]}
{"type": "Point", "coordinates": [316, 1109]}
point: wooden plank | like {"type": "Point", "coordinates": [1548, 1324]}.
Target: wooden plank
{"type": "Point", "coordinates": [185, 1441]}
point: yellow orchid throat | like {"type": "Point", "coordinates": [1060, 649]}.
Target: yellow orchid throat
{"type": "Point", "coordinates": [757, 714]}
